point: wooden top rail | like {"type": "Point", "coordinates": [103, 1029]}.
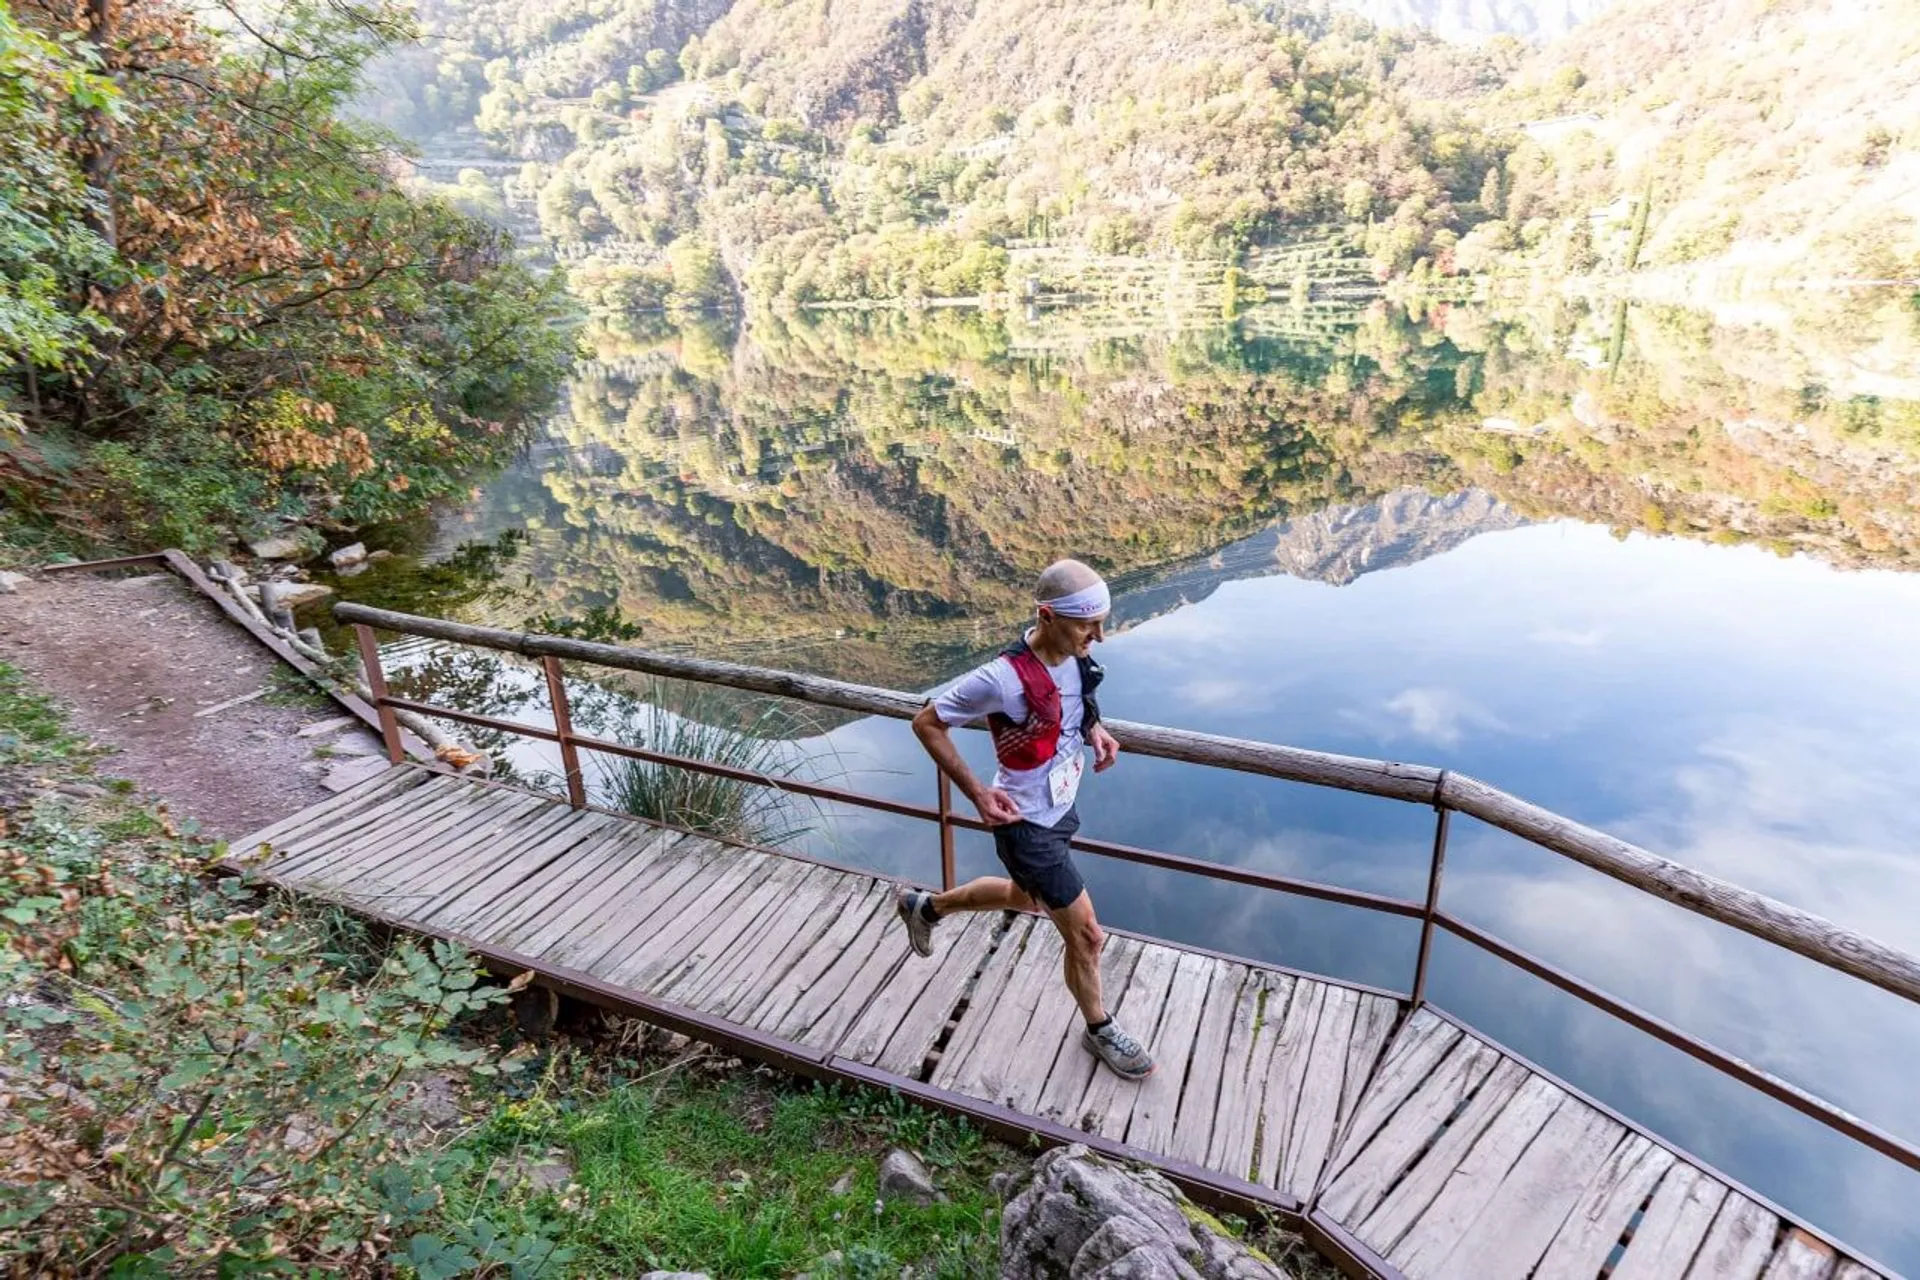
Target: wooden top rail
{"type": "Point", "coordinates": [1812, 936]}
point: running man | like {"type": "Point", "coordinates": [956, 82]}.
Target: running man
{"type": "Point", "coordinates": [1037, 700]}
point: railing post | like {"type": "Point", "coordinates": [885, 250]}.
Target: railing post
{"type": "Point", "coordinates": [1433, 901]}
{"type": "Point", "coordinates": [563, 727]}
{"type": "Point", "coordinates": [947, 876]}
{"type": "Point", "coordinates": [377, 687]}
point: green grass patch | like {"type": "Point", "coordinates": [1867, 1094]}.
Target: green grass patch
{"type": "Point", "coordinates": [32, 730]}
{"type": "Point", "coordinates": [737, 1172]}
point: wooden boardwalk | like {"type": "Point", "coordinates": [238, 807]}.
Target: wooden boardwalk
{"type": "Point", "coordinates": [1441, 1155]}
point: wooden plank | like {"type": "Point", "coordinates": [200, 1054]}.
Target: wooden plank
{"type": "Point", "coordinates": [1074, 1068]}
{"type": "Point", "coordinates": [567, 933]}
{"type": "Point", "coordinates": [1286, 1077]}
{"type": "Point", "coordinates": [371, 845]}
{"type": "Point", "coordinates": [1739, 1242]}
{"type": "Point", "coordinates": [827, 949]}
{"type": "Point", "coordinates": [923, 995]}
{"type": "Point", "coordinates": [819, 1018]}
{"type": "Point", "coordinates": [409, 875]}
{"type": "Point", "coordinates": [1403, 1206]}
{"type": "Point", "coordinates": [473, 899]}
{"type": "Point", "coordinates": [1801, 1257]}
{"type": "Point", "coordinates": [493, 855]}
{"type": "Point", "coordinates": [1670, 1232]}
{"type": "Point", "coordinates": [1316, 1108]}
{"type": "Point", "coordinates": [532, 927]}
{"type": "Point", "coordinates": [1600, 1217]}
{"type": "Point", "coordinates": [619, 842]}
{"type": "Point", "coordinates": [736, 927]}
{"type": "Point", "coordinates": [1418, 1048]}
{"type": "Point", "coordinates": [1250, 1056]}
{"type": "Point", "coordinates": [1525, 1211]}
{"type": "Point", "coordinates": [680, 927]}
{"type": "Point", "coordinates": [307, 852]}
{"type": "Point", "coordinates": [395, 781]}
{"type": "Point", "coordinates": [800, 916]}
{"type": "Point", "coordinates": [693, 866]}
{"type": "Point", "coordinates": [1401, 1139]}
{"type": "Point", "coordinates": [981, 1070]}
{"type": "Point", "coordinates": [1372, 1024]}
{"type": "Point", "coordinates": [1851, 1270]}
{"type": "Point", "coordinates": [400, 850]}
{"type": "Point", "coordinates": [1001, 969]}
{"type": "Point", "coordinates": [1054, 1029]}
{"type": "Point", "coordinates": [1227, 1002]}
{"type": "Point", "coordinates": [1107, 1095]}
{"type": "Point", "coordinates": [744, 994]}
{"type": "Point", "coordinates": [1156, 1100]}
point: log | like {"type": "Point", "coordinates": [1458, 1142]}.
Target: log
{"type": "Point", "coordinates": [1812, 936]}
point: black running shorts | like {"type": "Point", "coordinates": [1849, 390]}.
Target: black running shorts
{"type": "Point", "coordinates": [1040, 861]}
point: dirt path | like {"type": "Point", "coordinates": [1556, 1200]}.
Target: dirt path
{"type": "Point", "coordinates": [198, 713]}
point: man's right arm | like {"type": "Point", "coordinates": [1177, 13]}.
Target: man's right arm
{"type": "Point", "coordinates": [996, 806]}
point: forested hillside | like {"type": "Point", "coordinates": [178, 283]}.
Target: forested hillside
{"type": "Point", "coordinates": [887, 148]}
{"type": "Point", "coordinates": [218, 307]}
{"type": "Point", "coordinates": [1537, 20]}
{"type": "Point", "coordinates": [1776, 137]}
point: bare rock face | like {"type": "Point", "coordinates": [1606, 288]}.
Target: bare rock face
{"type": "Point", "coordinates": [1087, 1218]}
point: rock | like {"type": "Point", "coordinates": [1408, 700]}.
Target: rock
{"type": "Point", "coordinates": [1006, 1184]}
{"type": "Point", "coordinates": [903, 1177]}
{"type": "Point", "coordinates": [348, 556]}
{"type": "Point", "coordinates": [1087, 1218]}
{"type": "Point", "coordinates": [381, 554]}
{"type": "Point", "coordinates": [296, 545]}
{"type": "Point", "coordinates": [326, 727]}
{"type": "Point", "coordinates": [10, 583]}
{"type": "Point", "coordinates": [291, 595]}
{"type": "Point", "coordinates": [675, 1275]}
{"type": "Point", "coordinates": [842, 1185]}
{"type": "Point", "coordinates": [545, 1173]}
{"type": "Point", "coordinates": [81, 790]}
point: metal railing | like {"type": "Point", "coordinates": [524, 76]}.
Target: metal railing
{"type": "Point", "coordinates": [1445, 791]}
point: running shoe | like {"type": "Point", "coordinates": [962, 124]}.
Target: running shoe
{"type": "Point", "coordinates": [907, 902]}
{"type": "Point", "coordinates": [1122, 1054]}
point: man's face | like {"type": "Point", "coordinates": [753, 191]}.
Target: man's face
{"type": "Point", "coordinates": [1076, 635]}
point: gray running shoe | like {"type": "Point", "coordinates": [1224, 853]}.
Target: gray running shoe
{"type": "Point", "coordinates": [1123, 1055]}
{"type": "Point", "coordinates": [907, 902]}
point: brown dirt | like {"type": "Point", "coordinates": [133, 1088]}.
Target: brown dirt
{"type": "Point", "coordinates": [134, 658]}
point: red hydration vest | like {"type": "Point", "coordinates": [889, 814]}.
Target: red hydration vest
{"type": "Point", "coordinates": [1031, 743]}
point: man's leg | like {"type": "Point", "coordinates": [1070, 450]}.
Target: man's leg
{"type": "Point", "coordinates": [1084, 938]}
{"type": "Point", "coordinates": [919, 910]}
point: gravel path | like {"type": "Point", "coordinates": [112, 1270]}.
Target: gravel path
{"type": "Point", "coordinates": [199, 715]}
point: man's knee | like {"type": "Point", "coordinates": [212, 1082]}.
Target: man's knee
{"type": "Point", "coordinates": [1085, 936]}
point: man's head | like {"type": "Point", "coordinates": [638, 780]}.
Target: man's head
{"type": "Point", "coordinates": [1071, 603]}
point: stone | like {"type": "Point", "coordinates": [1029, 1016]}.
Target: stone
{"type": "Point", "coordinates": [10, 583]}
{"type": "Point", "coordinates": [296, 545]}
{"type": "Point", "coordinates": [842, 1185]}
{"type": "Point", "coordinates": [291, 595]}
{"type": "Point", "coordinates": [1006, 1184]}
{"type": "Point", "coordinates": [381, 554]}
{"type": "Point", "coordinates": [1085, 1217]}
{"type": "Point", "coordinates": [674, 1275]}
{"type": "Point", "coordinates": [81, 790]}
{"type": "Point", "coordinates": [544, 1173]}
{"type": "Point", "coordinates": [349, 555]}
{"type": "Point", "coordinates": [903, 1177]}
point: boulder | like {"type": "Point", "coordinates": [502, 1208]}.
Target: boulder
{"type": "Point", "coordinates": [1084, 1217]}
{"type": "Point", "coordinates": [10, 583]}
{"type": "Point", "coordinates": [291, 595]}
{"type": "Point", "coordinates": [295, 544]}
{"type": "Point", "coordinates": [349, 556]}
{"type": "Point", "coordinates": [903, 1177]}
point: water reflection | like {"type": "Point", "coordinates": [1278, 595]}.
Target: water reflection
{"type": "Point", "coordinates": [1640, 568]}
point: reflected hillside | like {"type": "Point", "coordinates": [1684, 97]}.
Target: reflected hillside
{"type": "Point", "coordinates": [868, 494]}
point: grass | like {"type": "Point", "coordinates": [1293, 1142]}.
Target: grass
{"type": "Point", "coordinates": [32, 730]}
{"type": "Point", "coordinates": [737, 1172]}
{"type": "Point", "coordinates": [698, 723]}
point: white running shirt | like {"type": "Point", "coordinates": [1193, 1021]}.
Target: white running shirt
{"type": "Point", "coordinates": [995, 686]}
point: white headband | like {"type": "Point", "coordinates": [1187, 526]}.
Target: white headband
{"type": "Point", "coordinates": [1088, 602]}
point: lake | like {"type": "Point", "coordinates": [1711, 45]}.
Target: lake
{"type": "Point", "coordinates": [1649, 567]}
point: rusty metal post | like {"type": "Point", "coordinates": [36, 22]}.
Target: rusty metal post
{"type": "Point", "coordinates": [377, 687]}
{"type": "Point", "coordinates": [563, 731]}
{"type": "Point", "coordinates": [1433, 903]}
{"type": "Point", "coordinates": [947, 875]}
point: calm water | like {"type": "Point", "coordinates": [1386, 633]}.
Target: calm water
{"type": "Point", "coordinates": [1647, 570]}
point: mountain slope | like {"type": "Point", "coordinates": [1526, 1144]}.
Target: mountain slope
{"type": "Point", "coordinates": [1539, 20]}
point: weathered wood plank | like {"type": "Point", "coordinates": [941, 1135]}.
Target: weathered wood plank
{"type": "Point", "coordinates": [981, 1072]}
{"type": "Point", "coordinates": [377, 846]}
{"type": "Point", "coordinates": [1600, 1217]}
{"type": "Point", "coordinates": [842, 994]}
{"type": "Point", "coordinates": [1670, 1232]}
{"type": "Point", "coordinates": [536, 934]}
{"type": "Point", "coordinates": [801, 915]}
{"type": "Point", "coordinates": [1002, 967]}
{"type": "Point", "coordinates": [407, 881]}
{"type": "Point", "coordinates": [1394, 1146]}
{"type": "Point", "coordinates": [1403, 1206]}
{"type": "Point", "coordinates": [307, 855]}
{"type": "Point", "coordinates": [1851, 1270]}
{"type": "Point", "coordinates": [1210, 1064]}
{"type": "Point", "coordinates": [1156, 1100]}
{"type": "Point", "coordinates": [622, 842]}
{"type": "Point", "coordinates": [1107, 1094]}
{"type": "Point", "coordinates": [623, 905]}
{"type": "Point", "coordinates": [923, 991]}
{"type": "Point", "coordinates": [1738, 1243]}
{"type": "Point", "coordinates": [1372, 1024]}
{"type": "Point", "coordinates": [385, 874]}
{"type": "Point", "coordinates": [1316, 1108]}
{"type": "Point", "coordinates": [1074, 1068]}
{"type": "Point", "coordinates": [1286, 1077]}
{"type": "Point", "coordinates": [827, 949]}
{"type": "Point", "coordinates": [376, 790]}
{"type": "Point", "coordinates": [658, 903]}
{"type": "Point", "coordinates": [472, 898]}
{"type": "Point", "coordinates": [1512, 1230]}
{"type": "Point", "coordinates": [1801, 1257]}
{"type": "Point", "coordinates": [429, 890]}
{"type": "Point", "coordinates": [1249, 1057]}
{"type": "Point", "coordinates": [684, 920]}
{"type": "Point", "coordinates": [714, 945]}
{"type": "Point", "coordinates": [1053, 1030]}
{"type": "Point", "coordinates": [1419, 1047]}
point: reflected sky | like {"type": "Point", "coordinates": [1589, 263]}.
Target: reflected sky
{"type": "Point", "coordinates": [1750, 715]}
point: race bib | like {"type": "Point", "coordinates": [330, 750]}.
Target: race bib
{"type": "Point", "coordinates": [1064, 782]}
